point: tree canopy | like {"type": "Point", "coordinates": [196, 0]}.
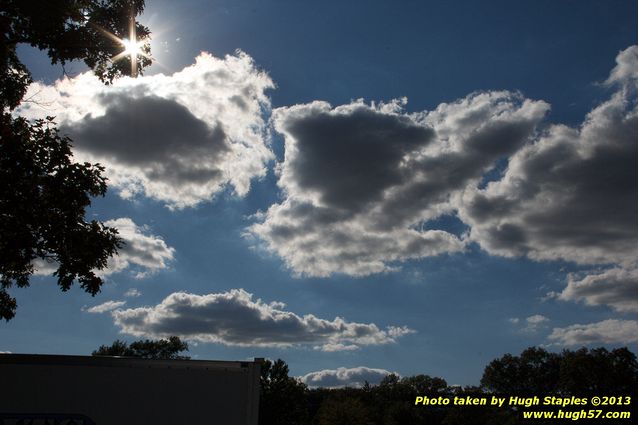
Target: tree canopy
{"type": "Point", "coordinates": [165, 349]}
{"type": "Point", "coordinates": [283, 398]}
{"type": "Point", "coordinates": [536, 371]}
{"type": "Point", "coordinates": [42, 210]}
{"type": "Point", "coordinates": [581, 372]}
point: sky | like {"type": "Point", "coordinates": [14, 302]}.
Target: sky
{"type": "Point", "coordinates": [358, 188]}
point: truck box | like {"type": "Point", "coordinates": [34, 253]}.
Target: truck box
{"type": "Point", "coordinates": [83, 390]}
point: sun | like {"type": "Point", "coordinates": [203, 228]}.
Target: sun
{"type": "Point", "coordinates": [132, 48]}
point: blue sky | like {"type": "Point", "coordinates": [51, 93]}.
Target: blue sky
{"type": "Point", "coordinates": [272, 213]}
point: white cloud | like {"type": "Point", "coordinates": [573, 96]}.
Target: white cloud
{"type": "Point", "coordinates": [179, 138]}
{"type": "Point", "coordinates": [626, 70]}
{"type": "Point", "coordinates": [606, 332]}
{"type": "Point", "coordinates": [530, 324]}
{"type": "Point", "coordinates": [329, 348]}
{"type": "Point", "coordinates": [362, 184]}
{"type": "Point", "coordinates": [235, 318]}
{"type": "Point", "coordinates": [344, 377]}
{"type": "Point", "coordinates": [44, 267]}
{"type": "Point", "coordinates": [360, 180]}
{"type": "Point", "coordinates": [144, 254]}
{"type": "Point", "coordinates": [5, 352]}
{"type": "Point", "coordinates": [536, 320]}
{"type": "Point", "coordinates": [105, 307]}
{"type": "Point", "coordinates": [132, 293]}
{"type": "Point", "coordinates": [616, 287]}
{"type": "Point", "coordinates": [570, 195]}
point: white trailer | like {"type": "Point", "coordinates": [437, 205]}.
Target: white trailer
{"type": "Point", "coordinates": [83, 390]}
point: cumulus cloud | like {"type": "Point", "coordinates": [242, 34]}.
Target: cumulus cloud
{"type": "Point", "coordinates": [616, 287]}
{"type": "Point", "coordinates": [142, 253]}
{"type": "Point", "coordinates": [145, 253]}
{"type": "Point", "coordinates": [344, 377]}
{"type": "Point", "coordinates": [180, 138]}
{"type": "Point", "coordinates": [328, 348]}
{"type": "Point", "coordinates": [530, 324]}
{"type": "Point", "coordinates": [533, 323]}
{"type": "Point", "coordinates": [105, 307]}
{"type": "Point", "coordinates": [571, 195]}
{"type": "Point", "coordinates": [360, 180]}
{"type": "Point", "coordinates": [132, 293]}
{"type": "Point", "coordinates": [536, 319]}
{"type": "Point", "coordinates": [606, 332]}
{"type": "Point", "coordinates": [626, 70]}
{"type": "Point", "coordinates": [362, 184]}
{"type": "Point", "coordinates": [235, 318]}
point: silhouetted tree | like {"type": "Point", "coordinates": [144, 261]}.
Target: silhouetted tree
{"type": "Point", "coordinates": [535, 371]}
{"type": "Point", "coordinates": [42, 205]}
{"type": "Point", "coordinates": [394, 398]}
{"type": "Point", "coordinates": [478, 415]}
{"type": "Point", "coordinates": [598, 371]}
{"type": "Point", "coordinates": [582, 372]}
{"type": "Point", "coordinates": [166, 349]}
{"type": "Point", "coordinates": [347, 411]}
{"type": "Point", "coordinates": [67, 31]}
{"type": "Point", "coordinates": [44, 194]}
{"type": "Point", "coordinates": [283, 399]}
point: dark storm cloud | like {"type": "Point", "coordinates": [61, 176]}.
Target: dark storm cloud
{"type": "Point", "coordinates": [234, 318]}
{"type": "Point", "coordinates": [344, 377]}
{"type": "Point", "coordinates": [360, 179]}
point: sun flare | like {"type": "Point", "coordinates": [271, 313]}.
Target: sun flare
{"type": "Point", "coordinates": [132, 47]}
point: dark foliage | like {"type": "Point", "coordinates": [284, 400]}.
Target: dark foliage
{"type": "Point", "coordinates": [67, 31]}
{"type": "Point", "coordinates": [166, 349]}
{"type": "Point", "coordinates": [535, 372]}
{"type": "Point", "coordinates": [44, 194]}
{"type": "Point", "coordinates": [283, 398]}
{"type": "Point", "coordinates": [583, 372]}
{"type": "Point", "coordinates": [42, 208]}
{"type": "Point", "coordinates": [343, 411]}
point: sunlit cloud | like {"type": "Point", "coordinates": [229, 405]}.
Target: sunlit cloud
{"type": "Point", "coordinates": [104, 307]}
{"type": "Point", "coordinates": [142, 254]}
{"type": "Point", "coordinates": [180, 138]}
{"type": "Point", "coordinates": [360, 182]}
{"type": "Point", "coordinates": [609, 331]}
{"type": "Point", "coordinates": [235, 318]}
{"type": "Point", "coordinates": [355, 377]}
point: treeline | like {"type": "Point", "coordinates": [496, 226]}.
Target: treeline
{"type": "Point", "coordinates": [585, 373]}
{"type": "Point", "coordinates": [535, 372]}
